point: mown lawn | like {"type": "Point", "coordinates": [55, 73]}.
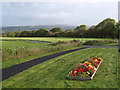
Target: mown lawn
{"type": "Point", "coordinates": [52, 73]}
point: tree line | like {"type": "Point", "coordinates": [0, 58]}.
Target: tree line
{"type": "Point", "coordinates": [108, 28]}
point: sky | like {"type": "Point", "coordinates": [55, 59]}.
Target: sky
{"type": "Point", "coordinates": [51, 13]}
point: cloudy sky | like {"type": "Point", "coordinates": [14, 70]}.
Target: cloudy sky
{"type": "Point", "coordinates": [44, 13]}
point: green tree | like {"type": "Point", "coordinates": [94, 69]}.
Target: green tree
{"type": "Point", "coordinates": [56, 30]}
{"type": "Point", "coordinates": [117, 30]}
{"type": "Point", "coordinates": [25, 33]}
{"type": "Point", "coordinates": [69, 33]}
{"type": "Point", "coordinates": [11, 34]}
{"type": "Point", "coordinates": [105, 28]}
{"type": "Point", "coordinates": [81, 28]}
{"type": "Point", "coordinates": [41, 32]}
{"type": "Point", "coordinates": [90, 32]}
{"type": "Point", "coordinates": [17, 33]}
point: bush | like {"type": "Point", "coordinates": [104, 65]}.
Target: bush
{"type": "Point", "coordinates": [68, 43]}
{"type": "Point", "coordinates": [93, 42]}
{"type": "Point", "coordinates": [20, 52]}
{"type": "Point", "coordinates": [98, 42]}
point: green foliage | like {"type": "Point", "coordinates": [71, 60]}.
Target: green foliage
{"type": "Point", "coordinates": [41, 32]}
{"type": "Point", "coordinates": [81, 28]}
{"type": "Point", "coordinates": [55, 30]}
{"type": "Point", "coordinates": [25, 33]}
{"type": "Point", "coordinates": [108, 28]}
{"type": "Point", "coordinates": [68, 43]}
{"type": "Point", "coordinates": [11, 34]}
{"type": "Point", "coordinates": [96, 42]}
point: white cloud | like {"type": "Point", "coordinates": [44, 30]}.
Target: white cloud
{"type": "Point", "coordinates": [57, 13]}
{"type": "Point", "coordinates": [90, 1]}
{"type": "Point", "coordinates": [60, 15]}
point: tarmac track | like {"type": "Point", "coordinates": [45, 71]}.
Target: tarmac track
{"type": "Point", "coordinates": [15, 69]}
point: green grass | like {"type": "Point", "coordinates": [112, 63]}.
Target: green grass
{"type": "Point", "coordinates": [35, 50]}
{"type": "Point", "coordinates": [14, 44]}
{"type": "Point", "coordinates": [52, 73]}
{"type": "Point", "coordinates": [112, 44]}
{"type": "Point", "coordinates": [55, 39]}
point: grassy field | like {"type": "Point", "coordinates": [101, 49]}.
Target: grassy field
{"type": "Point", "coordinates": [15, 52]}
{"type": "Point", "coordinates": [54, 39]}
{"type": "Point", "coordinates": [112, 44]}
{"type": "Point", "coordinates": [52, 73]}
{"type": "Point", "coordinates": [14, 44]}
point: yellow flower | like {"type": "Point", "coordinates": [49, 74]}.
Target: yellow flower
{"type": "Point", "coordinates": [95, 60]}
{"type": "Point", "coordinates": [86, 62]}
{"type": "Point", "coordinates": [90, 66]}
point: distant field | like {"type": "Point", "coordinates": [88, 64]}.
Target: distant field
{"type": "Point", "coordinates": [55, 39]}
{"type": "Point", "coordinates": [14, 44]}
{"type": "Point", "coordinates": [52, 73]}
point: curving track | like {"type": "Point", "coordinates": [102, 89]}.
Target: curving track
{"type": "Point", "coordinates": [13, 70]}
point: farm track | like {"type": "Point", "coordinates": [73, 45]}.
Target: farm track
{"type": "Point", "coordinates": [13, 70]}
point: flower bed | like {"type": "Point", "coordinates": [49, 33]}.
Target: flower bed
{"type": "Point", "coordinates": [86, 69]}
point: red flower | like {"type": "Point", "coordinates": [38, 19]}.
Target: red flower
{"type": "Point", "coordinates": [91, 62]}
{"type": "Point", "coordinates": [74, 75]}
{"type": "Point", "coordinates": [78, 70]}
{"type": "Point", "coordinates": [81, 70]}
{"type": "Point", "coordinates": [75, 69]}
{"type": "Point", "coordinates": [95, 65]}
{"type": "Point", "coordinates": [72, 72]}
{"type": "Point", "coordinates": [98, 62]}
{"type": "Point", "coordinates": [94, 58]}
{"type": "Point", "coordinates": [88, 68]}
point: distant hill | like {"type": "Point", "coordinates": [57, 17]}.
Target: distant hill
{"type": "Point", "coordinates": [36, 27]}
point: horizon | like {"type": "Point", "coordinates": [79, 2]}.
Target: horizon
{"type": "Point", "coordinates": [54, 24]}
{"type": "Point", "coordinates": [41, 25]}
